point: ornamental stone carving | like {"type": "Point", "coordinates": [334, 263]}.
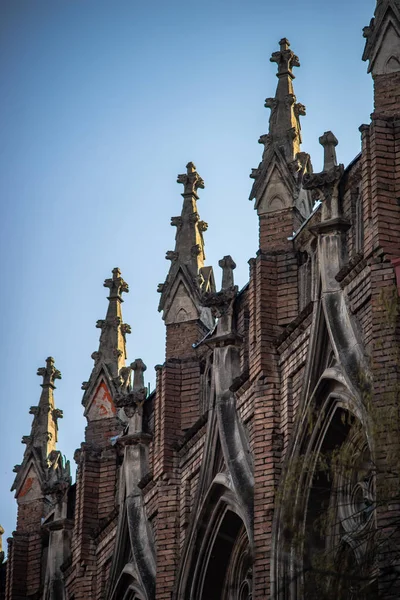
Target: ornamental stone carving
{"type": "Point", "coordinates": [49, 373]}
{"type": "Point", "coordinates": [191, 180]}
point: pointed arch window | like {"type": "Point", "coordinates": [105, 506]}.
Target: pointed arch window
{"type": "Point", "coordinates": [326, 535]}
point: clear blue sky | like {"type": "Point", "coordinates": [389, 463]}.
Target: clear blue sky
{"type": "Point", "coordinates": [102, 104]}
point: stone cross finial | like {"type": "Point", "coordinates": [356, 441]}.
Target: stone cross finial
{"type": "Point", "coordinates": [227, 265]}
{"type": "Point", "coordinates": [138, 367]}
{"type": "Point", "coordinates": [117, 285]}
{"type": "Point", "coordinates": [285, 58]}
{"type": "Point", "coordinates": [49, 373]}
{"type": "Point", "coordinates": [191, 180]}
{"type": "Point", "coordinates": [329, 142]}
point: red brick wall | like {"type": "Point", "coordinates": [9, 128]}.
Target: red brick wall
{"type": "Point", "coordinates": [381, 181]}
{"type": "Point", "coordinates": [387, 94]}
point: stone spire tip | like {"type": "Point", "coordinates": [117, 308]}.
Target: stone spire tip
{"type": "Point", "coordinates": [49, 373]}
{"type": "Point", "coordinates": [188, 256]}
{"type": "Point", "coordinates": [191, 181]}
{"type": "Point", "coordinates": [285, 58]}
{"type": "Point", "coordinates": [112, 344]}
{"type": "Point", "coordinates": [116, 284]}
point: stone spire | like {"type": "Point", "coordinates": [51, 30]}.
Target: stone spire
{"type": "Point", "coordinates": [41, 443]}
{"type": "Point", "coordinates": [284, 123]}
{"type": "Point", "coordinates": [109, 360]}
{"type": "Point", "coordinates": [112, 346]}
{"type": "Point", "coordinates": [187, 259]}
{"type": "Point", "coordinates": [277, 179]}
{"type": "Point", "coordinates": [189, 245]}
{"type": "Point", "coordinates": [382, 48]}
{"type": "Point", "coordinates": [44, 426]}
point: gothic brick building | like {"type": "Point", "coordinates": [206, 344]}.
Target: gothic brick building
{"type": "Point", "coordinates": [275, 410]}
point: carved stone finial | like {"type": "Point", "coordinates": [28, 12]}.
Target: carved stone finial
{"type": "Point", "coordinates": [49, 373]}
{"type": "Point", "coordinates": [227, 265]}
{"type": "Point", "coordinates": [285, 58]}
{"type": "Point", "coordinates": [329, 142]}
{"type": "Point", "coordinates": [132, 400]}
{"type": "Point", "coordinates": [116, 284]}
{"type": "Point", "coordinates": [138, 367]}
{"type": "Point", "coordinates": [191, 180]}
{"type": "Point", "coordinates": [326, 183]}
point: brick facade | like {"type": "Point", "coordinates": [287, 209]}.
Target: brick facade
{"type": "Point", "coordinates": [209, 487]}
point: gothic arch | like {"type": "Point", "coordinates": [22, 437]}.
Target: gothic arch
{"type": "Point", "coordinates": [127, 586]}
{"type": "Point", "coordinates": [218, 566]}
{"type": "Point", "coordinates": [276, 203]}
{"type": "Point", "coordinates": [325, 524]}
{"type": "Point", "coordinates": [392, 64]}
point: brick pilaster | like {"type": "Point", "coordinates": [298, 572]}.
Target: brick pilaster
{"type": "Point", "coordinates": [17, 565]}
{"type": "Point", "coordinates": [176, 410]}
{"type": "Point", "coordinates": [266, 385]}
{"type": "Point", "coordinates": [86, 521]}
{"type": "Point", "coordinates": [276, 231]}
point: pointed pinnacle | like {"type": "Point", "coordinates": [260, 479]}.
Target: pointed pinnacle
{"type": "Point", "coordinates": [138, 367]}
{"type": "Point", "coordinates": [328, 141]}
{"type": "Point", "coordinates": [227, 265]}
